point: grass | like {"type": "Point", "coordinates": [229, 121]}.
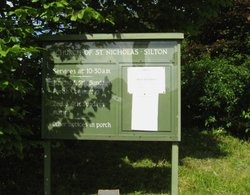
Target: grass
{"type": "Point", "coordinates": [227, 174]}
{"type": "Point", "coordinates": [210, 163]}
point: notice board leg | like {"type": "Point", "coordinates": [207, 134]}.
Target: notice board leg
{"type": "Point", "coordinates": [174, 173]}
{"type": "Point", "coordinates": [47, 168]}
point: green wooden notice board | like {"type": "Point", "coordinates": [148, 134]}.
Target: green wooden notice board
{"type": "Point", "coordinates": [112, 87]}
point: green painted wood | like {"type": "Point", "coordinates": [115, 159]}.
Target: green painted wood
{"type": "Point", "coordinates": [115, 36]}
{"type": "Point", "coordinates": [174, 168]}
{"type": "Point", "coordinates": [85, 86]}
{"type": "Point", "coordinates": [86, 96]}
{"type": "Point", "coordinates": [47, 168]}
{"type": "Point", "coordinates": [179, 92]}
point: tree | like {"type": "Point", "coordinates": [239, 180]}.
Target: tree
{"type": "Point", "coordinates": [159, 15]}
{"type": "Point", "coordinates": [22, 22]}
{"type": "Point", "coordinates": [216, 72]}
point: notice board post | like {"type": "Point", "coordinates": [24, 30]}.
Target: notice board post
{"type": "Point", "coordinates": [123, 87]}
{"type": "Point", "coordinates": [47, 167]}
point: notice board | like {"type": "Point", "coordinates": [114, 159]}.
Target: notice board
{"type": "Point", "coordinates": [112, 87]}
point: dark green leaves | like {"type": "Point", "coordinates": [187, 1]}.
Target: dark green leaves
{"type": "Point", "coordinates": [20, 61]}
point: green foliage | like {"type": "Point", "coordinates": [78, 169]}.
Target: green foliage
{"type": "Point", "coordinates": [21, 23]}
{"type": "Point", "coordinates": [15, 86]}
{"type": "Point", "coordinates": [216, 76]}
{"type": "Point", "coordinates": [215, 93]}
{"type": "Point", "coordinates": [159, 15]}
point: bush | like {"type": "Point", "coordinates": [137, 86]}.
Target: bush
{"type": "Point", "coordinates": [215, 93]}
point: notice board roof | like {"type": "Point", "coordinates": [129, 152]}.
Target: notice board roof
{"type": "Point", "coordinates": [114, 36]}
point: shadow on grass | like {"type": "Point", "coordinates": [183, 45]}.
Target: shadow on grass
{"type": "Point", "coordinates": [22, 176]}
{"type": "Point", "coordinates": [102, 165]}
{"type": "Point", "coordinates": [83, 167]}
{"type": "Point", "coordinates": [200, 145]}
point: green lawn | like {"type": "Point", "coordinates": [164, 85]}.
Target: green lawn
{"type": "Point", "coordinates": [221, 166]}
{"type": "Point", "coordinates": [210, 163]}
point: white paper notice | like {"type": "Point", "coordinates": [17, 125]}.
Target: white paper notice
{"type": "Point", "coordinates": [145, 84]}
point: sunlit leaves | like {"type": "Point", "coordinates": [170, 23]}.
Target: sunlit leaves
{"type": "Point", "coordinates": [20, 59]}
{"type": "Point", "coordinates": [3, 84]}
{"type": "Point", "coordinates": [86, 15]}
{"type": "Point", "coordinates": [24, 12]}
{"type": "Point", "coordinates": [56, 4]}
